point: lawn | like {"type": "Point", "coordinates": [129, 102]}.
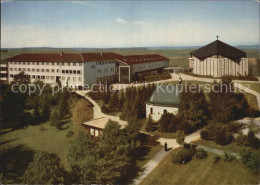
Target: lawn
{"type": "Point", "coordinates": [201, 172]}
{"type": "Point", "coordinates": [253, 86]}
{"type": "Point", "coordinates": [232, 147]}
{"type": "Point", "coordinates": [18, 147]}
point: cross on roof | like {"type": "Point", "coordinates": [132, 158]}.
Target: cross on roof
{"type": "Point", "coordinates": [217, 37]}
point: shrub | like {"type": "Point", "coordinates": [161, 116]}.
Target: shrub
{"type": "Point", "coordinates": [252, 140]}
{"type": "Point", "coordinates": [104, 109]}
{"type": "Point", "coordinates": [216, 159]}
{"type": "Point", "coordinates": [182, 156]}
{"type": "Point", "coordinates": [201, 154]}
{"type": "Point", "coordinates": [224, 138]}
{"type": "Point", "coordinates": [180, 137]}
{"type": "Point", "coordinates": [228, 157]}
{"type": "Point", "coordinates": [250, 159]}
{"type": "Point", "coordinates": [70, 133]}
{"type": "Point", "coordinates": [55, 118]}
{"type": "Point", "coordinates": [204, 135]}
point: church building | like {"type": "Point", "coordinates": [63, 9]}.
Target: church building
{"type": "Point", "coordinates": [218, 59]}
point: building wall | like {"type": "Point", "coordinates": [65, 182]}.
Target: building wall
{"type": "Point", "coordinates": [70, 74]}
{"type": "Point", "coordinates": [149, 66]}
{"type": "Point", "coordinates": [99, 72]}
{"type": "Point", "coordinates": [159, 110]}
{"type": "Point", "coordinates": [218, 67]}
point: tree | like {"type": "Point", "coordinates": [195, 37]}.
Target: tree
{"type": "Point", "coordinates": [21, 78]}
{"type": "Point", "coordinates": [252, 140]}
{"type": "Point", "coordinates": [82, 111]}
{"type": "Point", "coordinates": [250, 159]}
{"type": "Point", "coordinates": [82, 156]}
{"type": "Point", "coordinates": [114, 138]}
{"type": "Point", "coordinates": [55, 118]}
{"type": "Point", "coordinates": [164, 122]}
{"type": "Point", "coordinates": [132, 130]}
{"type": "Point", "coordinates": [193, 107]}
{"type": "Point", "coordinates": [180, 137]}
{"type": "Point", "coordinates": [149, 124]}
{"type": "Point", "coordinates": [63, 104]}
{"type": "Point", "coordinates": [113, 102]}
{"type": "Point", "coordinates": [44, 169]}
{"type": "Point", "coordinates": [201, 154]}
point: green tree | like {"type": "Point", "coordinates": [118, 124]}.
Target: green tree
{"type": "Point", "coordinates": [63, 104]}
{"type": "Point", "coordinates": [21, 78]}
{"type": "Point", "coordinates": [55, 118]}
{"type": "Point", "coordinates": [44, 169]}
{"type": "Point", "coordinates": [113, 102]}
{"type": "Point", "coordinates": [252, 140]}
{"type": "Point", "coordinates": [114, 138]}
{"type": "Point", "coordinates": [193, 106]}
{"type": "Point", "coordinates": [82, 111]}
{"type": "Point", "coordinates": [164, 122]}
{"type": "Point", "coordinates": [180, 137]}
{"type": "Point", "coordinates": [149, 124]}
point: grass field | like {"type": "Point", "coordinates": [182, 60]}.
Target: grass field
{"type": "Point", "coordinates": [232, 147]}
{"type": "Point", "coordinates": [201, 172]}
{"type": "Point", "coordinates": [253, 86]}
{"type": "Point", "coordinates": [18, 147]}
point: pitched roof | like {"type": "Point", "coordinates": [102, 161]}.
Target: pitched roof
{"type": "Point", "coordinates": [136, 59]}
{"type": "Point", "coordinates": [86, 57]}
{"type": "Point", "coordinates": [165, 95]}
{"type": "Point", "coordinates": [47, 57]}
{"type": "Point", "coordinates": [90, 57]}
{"type": "Point", "coordinates": [219, 48]}
{"type": "Point", "coordinates": [102, 121]}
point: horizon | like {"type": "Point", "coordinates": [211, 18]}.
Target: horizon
{"type": "Point", "coordinates": [113, 24]}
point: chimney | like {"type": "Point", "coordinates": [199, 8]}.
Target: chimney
{"type": "Point", "coordinates": [101, 53]}
{"type": "Point", "coordinates": [61, 53]}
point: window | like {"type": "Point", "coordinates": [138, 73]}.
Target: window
{"type": "Point", "coordinates": [70, 71]}
{"type": "Point", "coordinates": [74, 78]}
{"type": "Point", "coordinates": [53, 70]}
{"type": "Point", "coordinates": [11, 69]}
{"type": "Point", "coordinates": [63, 71]}
{"type": "Point", "coordinates": [74, 64]}
{"type": "Point", "coordinates": [19, 69]}
{"type": "Point", "coordinates": [79, 78]}
{"type": "Point", "coordinates": [63, 78]}
{"type": "Point", "coordinates": [28, 69]}
{"type": "Point", "coordinates": [38, 70]}
{"type": "Point", "coordinates": [68, 64]}
{"type": "Point", "coordinates": [11, 75]}
{"type": "Point", "coordinates": [96, 132]}
{"type": "Point", "coordinates": [78, 72]}
{"type": "Point", "coordinates": [52, 77]}
{"type": "Point", "coordinates": [80, 64]}
{"type": "Point", "coordinates": [42, 70]}
{"type": "Point", "coordinates": [47, 70]}
{"type": "Point", "coordinates": [58, 70]}
{"type": "Point", "coordinates": [53, 63]}
{"type": "Point", "coordinates": [67, 71]}
{"type": "Point", "coordinates": [62, 63]}
{"type": "Point", "coordinates": [74, 71]}
{"type": "Point", "coordinates": [37, 63]}
{"type": "Point", "coordinates": [68, 78]}
{"type": "Point", "coordinates": [92, 131]}
{"type": "Point", "coordinates": [47, 77]}
{"type": "Point", "coordinates": [47, 63]}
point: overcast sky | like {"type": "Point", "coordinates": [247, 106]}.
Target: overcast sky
{"type": "Point", "coordinates": [127, 24]}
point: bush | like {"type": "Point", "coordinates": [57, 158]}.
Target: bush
{"type": "Point", "coordinates": [201, 154]}
{"type": "Point", "coordinates": [82, 111]}
{"type": "Point", "coordinates": [224, 138]}
{"type": "Point", "coordinates": [183, 156]}
{"type": "Point", "coordinates": [250, 159]}
{"type": "Point", "coordinates": [252, 140]}
{"type": "Point", "coordinates": [70, 133]}
{"type": "Point", "coordinates": [216, 159]}
{"type": "Point", "coordinates": [204, 135]}
{"type": "Point", "coordinates": [104, 109]}
{"type": "Point", "coordinates": [229, 157]}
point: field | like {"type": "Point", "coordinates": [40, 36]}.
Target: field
{"type": "Point", "coordinates": [18, 146]}
{"type": "Point", "coordinates": [201, 172]}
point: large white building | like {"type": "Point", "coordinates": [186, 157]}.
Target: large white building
{"type": "Point", "coordinates": [218, 59]}
{"type": "Point", "coordinates": [79, 69]}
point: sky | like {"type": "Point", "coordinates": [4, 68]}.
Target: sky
{"type": "Point", "coordinates": [110, 24]}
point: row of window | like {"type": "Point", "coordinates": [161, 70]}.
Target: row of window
{"type": "Point", "coordinates": [49, 63]}
{"type": "Point", "coordinates": [50, 77]}
{"type": "Point", "coordinates": [149, 66]}
{"type": "Point", "coordinates": [104, 62]}
{"type": "Point", "coordinates": [105, 70]}
{"type": "Point", "coordinates": [46, 70]}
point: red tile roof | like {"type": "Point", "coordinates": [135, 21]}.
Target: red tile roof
{"type": "Point", "coordinates": [136, 59]}
{"type": "Point", "coordinates": [90, 57]}
{"type": "Point", "coordinates": [47, 57]}
{"type": "Point", "coordinates": [86, 57]}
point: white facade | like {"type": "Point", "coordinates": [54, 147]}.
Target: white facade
{"type": "Point", "coordinates": [218, 67]}
{"type": "Point", "coordinates": [69, 73]}
{"type": "Point", "coordinates": [157, 111]}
